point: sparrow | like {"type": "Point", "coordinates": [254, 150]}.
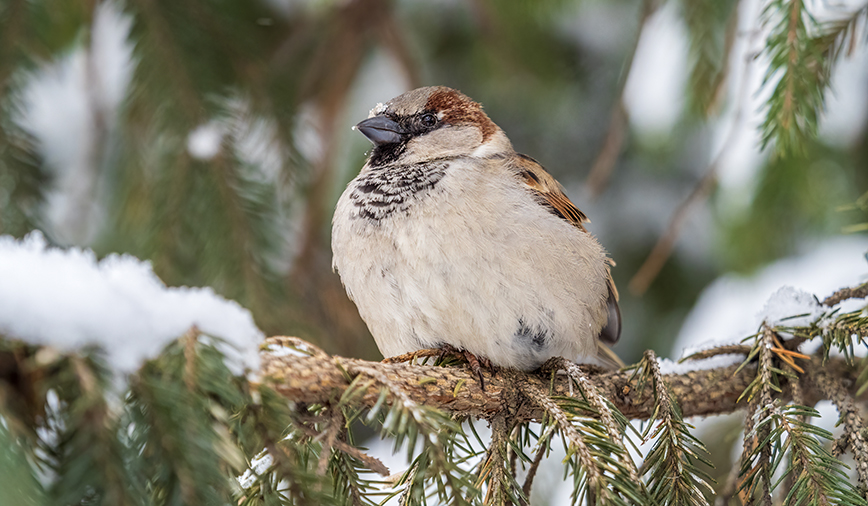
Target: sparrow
{"type": "Point", "coordinates": [449, 238]}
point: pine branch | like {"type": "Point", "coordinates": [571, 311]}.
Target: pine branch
{"type": "Point", "coordinates": [314, 379]}
{"type": "Point", "coordinates": [859, 292]}
{"type": "Point", "coordinates": [674, 477]}
{"type": "Point", "coordinates": [855, 433]}
{"type": "Point", "coordinates": [756, 466]}
{"type": "Point", "coordinates": [711, 26]}
{"type": "Point", "coordinates": [802, 55]}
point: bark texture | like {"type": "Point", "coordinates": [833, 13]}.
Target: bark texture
{"type": "Point", "coordinates": [321, 378]}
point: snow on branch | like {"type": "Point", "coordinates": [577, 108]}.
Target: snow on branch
{"type": "Point", "coordinates": [68, 299]}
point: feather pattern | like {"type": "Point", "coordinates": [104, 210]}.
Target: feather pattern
{"type": "Point", "coordinates": [551, 195]}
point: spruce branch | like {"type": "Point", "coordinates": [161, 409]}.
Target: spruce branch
{"type": "Point", "coordinates": [859, 292]}
{"type": "Point", "coordinates": [578, 449]}
{"type": "Point", "coordinates": [502, 487]}
{"type": "Point", "coordinates": [798, 400]}
{"type": "Point", "coordinates": [854, 437]}
{"type": "Point", "coordinates": [436, 470]}
{"type": "Point", "coordinates": [756, 464]}
{"type": "Point", "coordinates": [819, 479]}
{"type": "Point", "coordinates": [601, 466]}
{"type": "Point", "coordinates": [711, 26]}
{"type": "Point", "coordinates": [612, 420]}
{"type": "Point", "coordinates": [671, 464]}
{"type": "Point", "coordinates": [813, 475]}
{"type": "Point", "coordinates": [315, 379]}
{"type": "Point", "coordinates": [802, 54]}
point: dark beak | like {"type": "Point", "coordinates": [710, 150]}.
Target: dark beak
{"type": "Point", "coordinates": [381, 130]}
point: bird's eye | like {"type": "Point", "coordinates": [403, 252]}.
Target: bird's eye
{"type": "Point", "coordinates": [429, 120]}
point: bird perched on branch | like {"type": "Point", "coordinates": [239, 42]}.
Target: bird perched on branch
{"type": "Point", "coordinates": [449, 238]}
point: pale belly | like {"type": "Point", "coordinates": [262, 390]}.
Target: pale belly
{"type": "Point", "coordinates": [518, 287]}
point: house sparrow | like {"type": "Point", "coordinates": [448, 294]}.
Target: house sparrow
{"type": "Point", "coordinates": [448, 237]}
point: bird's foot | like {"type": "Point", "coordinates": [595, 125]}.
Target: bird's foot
{"type": "Point", "coordinates": [475, 363]}
{"type": "Point", "coordinates": [414, 355]}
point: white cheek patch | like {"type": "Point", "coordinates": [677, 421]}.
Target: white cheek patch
{"type": "Point", "coordinates": [486, 149]}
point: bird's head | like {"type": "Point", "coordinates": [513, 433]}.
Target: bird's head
{"type": "Point", "coordinates": [430, 123]}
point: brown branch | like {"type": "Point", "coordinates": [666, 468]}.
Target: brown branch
{"type": "Point", "coordinates": [601, 171]}
{"type": "Point", "coordinates": [729, 349]}
{"type": "Point", "coordinates": [649, 270]}
{"type": "Point", "coordinates": [321, 378]}
{"type": "Point", "coordinates": [531, 473]}
{"type": "Point", "coordinates": [859, 292]}
{"type": "Point", "coordinates": [854, 437]}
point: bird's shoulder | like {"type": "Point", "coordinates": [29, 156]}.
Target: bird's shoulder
{"type": "Point", "coordinates": [546, 189]}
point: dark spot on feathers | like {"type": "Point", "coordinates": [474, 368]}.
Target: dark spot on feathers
{"type": "Point", "coordinates": [529, 175]}
{"type": "Point", "coordinates": [537, 338]}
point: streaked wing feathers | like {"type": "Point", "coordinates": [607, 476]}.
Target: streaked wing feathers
{"type": "Point", "coordinates": [552, 193]}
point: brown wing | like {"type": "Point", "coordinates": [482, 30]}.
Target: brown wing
{"type": "Point", "coordinates": [547, 187]}
{"type": "Point", "coordinates": [552, 196]}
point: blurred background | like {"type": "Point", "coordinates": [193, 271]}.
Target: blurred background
{"type": "Point", "coordinates": [212, 137]}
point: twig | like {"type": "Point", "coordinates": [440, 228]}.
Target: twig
{"type": "Point", "coordinates": [372, 463]}
{"type": "Point", "coordinates": [859, 292]}
{"type": "Point", "coordinates": [601, 171]}
{"type": "Point", "coordinates": [590, 392]}
{"type": "Point", "coordinates": [531, 472]}
{"type": "Point", "coordinates": [854, 426]}
{"type": "Point", "coordinates": [334, 422]}
{"type": "Point", "coordinates": [649, 270]}
{"type": "Point", "coordinates": [729, 349]}
{"type": "Point", "coordinates": [413, 355]}
{"type": "Point", "coordinates": [494, 466]}
{"type": "Point", "coordinates": [190, 339]}
{"type": "Point", "coordinates": [663, 249]}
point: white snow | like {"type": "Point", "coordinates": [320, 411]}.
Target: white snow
{"type": "Point", "coordinates": [203, 143]}
{"type": "Point", "coordinates": [654, 93]}
{"type": "Point", "coordinates": [277, 350]}
{"type": "Point", "coordinates": [258, 466]}
{"type": "Point", "coordinates": [68, 299]}
{"type": "Point", "coordinates": [731, 307]}
{"type": "Point", "coordinates": [69, 106]}
{"type": "Point", "coordinates": [788, 302]}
